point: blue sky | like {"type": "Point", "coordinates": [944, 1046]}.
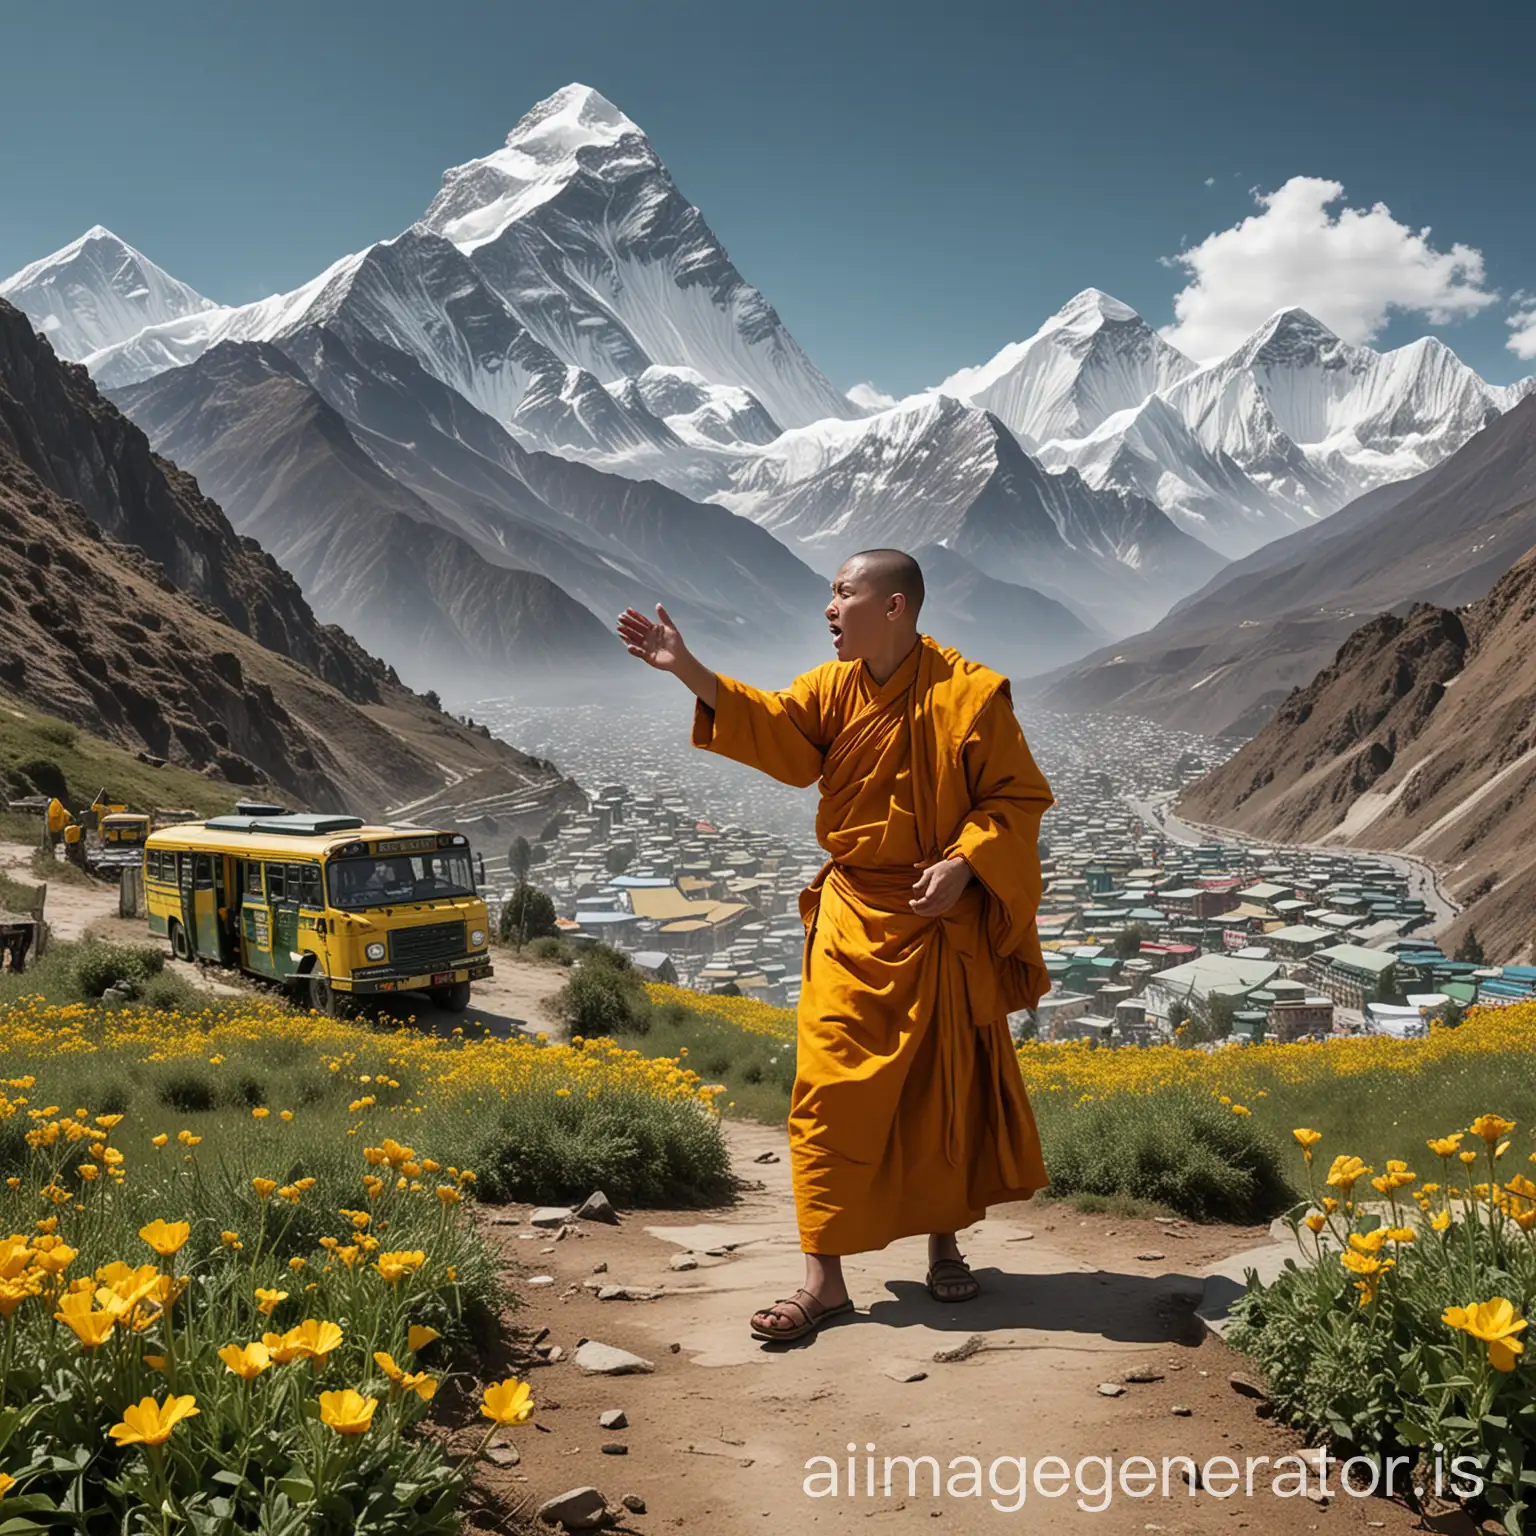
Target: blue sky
{"type": "Point", "coordinates": [911, 185]}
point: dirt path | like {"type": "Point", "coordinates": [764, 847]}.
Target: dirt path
{"type": "Point", "coordinates": [71, 908]}
{"type": "Point", "coordinates": [516, 1000]}
{"type": "Point", "coordinates": [719, 1436]}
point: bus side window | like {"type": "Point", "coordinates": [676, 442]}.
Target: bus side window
{"type": "Point", "coordinates": [186, 871]}
{"type": "Point", "coordinates": [151, 863]}
{"type": "Point", "coordinates": [253, 882]}
{"type": "Point", "coordinates": [305, 878]}
{"type": "Point", "coordinates": [277, 889]}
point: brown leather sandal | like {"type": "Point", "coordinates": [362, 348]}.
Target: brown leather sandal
{"type": "Point", "coordinates": [810, 1320]}
{"type": "Point", "coordinates": [951, 1273]}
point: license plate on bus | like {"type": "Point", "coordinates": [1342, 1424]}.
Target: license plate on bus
{"type": "Point", "coordinates": [442, 978]}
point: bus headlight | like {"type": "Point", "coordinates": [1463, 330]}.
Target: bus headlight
{"type": "Point", "coordinates": [375, 951]}
{"type": "Point", "coordinates": [477, 938]}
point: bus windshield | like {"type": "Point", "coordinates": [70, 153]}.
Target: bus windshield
{"type": "Point", "coordinates": [400, 878]}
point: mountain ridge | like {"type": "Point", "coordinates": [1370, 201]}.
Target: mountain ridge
{"type": "Point", "coordinates": [133, 609]}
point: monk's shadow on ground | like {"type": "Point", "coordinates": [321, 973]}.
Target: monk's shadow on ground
{"type": "Point", "coordinates": [1127, 1308]}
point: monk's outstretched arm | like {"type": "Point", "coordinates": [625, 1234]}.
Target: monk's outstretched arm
{"type": "Point", "coordinates": [1000, 837]}
{"type": "Point", "coordinates": [781, 733]}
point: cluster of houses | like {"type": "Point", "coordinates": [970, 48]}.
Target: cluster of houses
{"type": "Point", "coordinates": [1145, 938]}
{"type": "Point", "coordinates": [1149, 940]}
{"type": "Point", "coordinates": [713, 908]}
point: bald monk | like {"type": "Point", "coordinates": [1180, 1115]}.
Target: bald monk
{"type": "Point", "coordinates": [908, 1112]}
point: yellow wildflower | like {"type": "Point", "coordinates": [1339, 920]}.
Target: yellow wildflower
{"type": "Point", "coordinates": [347, 1412]}
{"type": "Point", "coordinates": [1495, 1322]}
{"type": "Point", "coordinates": [151, 1423]}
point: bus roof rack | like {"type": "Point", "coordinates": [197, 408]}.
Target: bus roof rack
{"type": "Point", "coordinates": [287, 823]}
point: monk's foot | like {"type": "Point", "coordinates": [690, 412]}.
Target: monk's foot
{"type": "Point", "coordinates": [950, 1280]}
{"type": "Point", "coordinates": [797, 1316]}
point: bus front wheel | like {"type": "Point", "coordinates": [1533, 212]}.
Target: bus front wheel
{"type": "Point", "coordinates": [324, 998]}
{"type": "Point", "coordinates": [451, 999]}
{"type": "Point", "coordinates": [179, 944]}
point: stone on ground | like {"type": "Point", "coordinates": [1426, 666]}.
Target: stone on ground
{"type": "Point", "coordinates": [596, 1207]}
{"type": "Point", "coordinates": [551, 1216]}
{"type": "Point", "coordinates": [594, 1359]}
{"type": "Point", "coordinates": [577, 1509]}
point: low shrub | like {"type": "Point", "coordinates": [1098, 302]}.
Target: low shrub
{"type": "Point", "coordinates": [167, 992]}
{"type": "Point", "coordinates": [605, 996]}
{"type": "Point", "coordinates": [550, 949]}
{"type": "Point", "coordinates": [98, 966]}
{"type": "Point", "coordinates": [637, 1149]}
{"type": "Point", "coordinates": [1185, 1151]}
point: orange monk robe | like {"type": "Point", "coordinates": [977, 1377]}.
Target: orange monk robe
{"type": "Point", "coordinates": [909, 1113]}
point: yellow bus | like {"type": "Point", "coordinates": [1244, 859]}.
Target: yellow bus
{"type": "Point", "coordinates": [333, 910]}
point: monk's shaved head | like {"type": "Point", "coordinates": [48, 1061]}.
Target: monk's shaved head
{"type": "Point", "coordinates": [892, 571]}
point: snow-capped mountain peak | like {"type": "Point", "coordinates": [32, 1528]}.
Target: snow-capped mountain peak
{"type": "Point", "coordinates": [542, 153]}
{"type": "Point", "coordinates": [579, 228]}
{"type": "Point", "coordinates": [1092, 308]}
{"type": "Point", "coordinates": [1093, 358]}
{"type": "Point", "coordinates": [98, 291]}
{"type": "Point", "coordinates": [1292, 337]}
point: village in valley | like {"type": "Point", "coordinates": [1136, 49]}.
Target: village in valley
{"type": "Point", "coordinates": [1153, 930]}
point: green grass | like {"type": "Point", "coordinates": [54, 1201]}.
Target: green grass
{"type": "Point", "coordinates": [78, 973]}
{"type": "Point", "coordinates": [46, 866]}
{"type": "Point", "coordinates": [55, 757]}
{"type": "Point", "coordinates": [759, 1071]}
{"type": "Point", "coordinates": [1393, 1113]}
{"type": "Point", "coordinates": [1122, 1207]}
{"type": "Point", "coordinates": [543, 1146]}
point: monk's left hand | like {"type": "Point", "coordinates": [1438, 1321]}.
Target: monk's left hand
{"type": "Point", "coordinates": [940, 886]}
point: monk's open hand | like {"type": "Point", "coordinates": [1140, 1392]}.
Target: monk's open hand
{"type": "Point", "coordinates": [658, 644]}
{"type": "Point", "coordinates": [939, 886]}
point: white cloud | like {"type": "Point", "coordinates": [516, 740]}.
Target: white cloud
{"type": "Point", "coordinates": [1522, 324]}
{"type": "Point", "coordinates": [1349, 269]}
{"type": "Point", "coordinates": [870, 397]}
{"type": "Point", "coordinates": [1210, 181]}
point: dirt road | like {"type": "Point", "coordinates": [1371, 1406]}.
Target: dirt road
{"type": "Point", "coordinates": [721, 1436]}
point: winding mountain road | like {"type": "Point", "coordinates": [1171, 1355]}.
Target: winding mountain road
{"type": "Point", "coordinates": [1423, 880]}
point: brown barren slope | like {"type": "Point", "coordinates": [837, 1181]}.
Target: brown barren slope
{"type": "Point", "coordinates": [1419, 738]}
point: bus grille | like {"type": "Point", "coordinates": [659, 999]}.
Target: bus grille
{"type": "Point", "coordinates": [427, 948]}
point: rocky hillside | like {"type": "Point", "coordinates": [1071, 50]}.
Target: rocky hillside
{"type": "Point", "coordinates": [1420, 738]}
{"type": "Point", "coordinates": [129, 606]}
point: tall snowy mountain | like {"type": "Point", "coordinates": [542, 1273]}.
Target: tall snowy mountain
{"type": "Point", "coordinates": [352, 464]}
{"type": "Point", "coordinates": [96, 292]}
{"type": "Point", "coordinates": [1151, 451]}
{"type": "Point", "coordinates": [577, 224]}
{"type": "Point", "coordinates": [566, 287]}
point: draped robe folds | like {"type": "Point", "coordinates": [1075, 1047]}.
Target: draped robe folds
{"type": "Point", "coordinates": [908, 1113]}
